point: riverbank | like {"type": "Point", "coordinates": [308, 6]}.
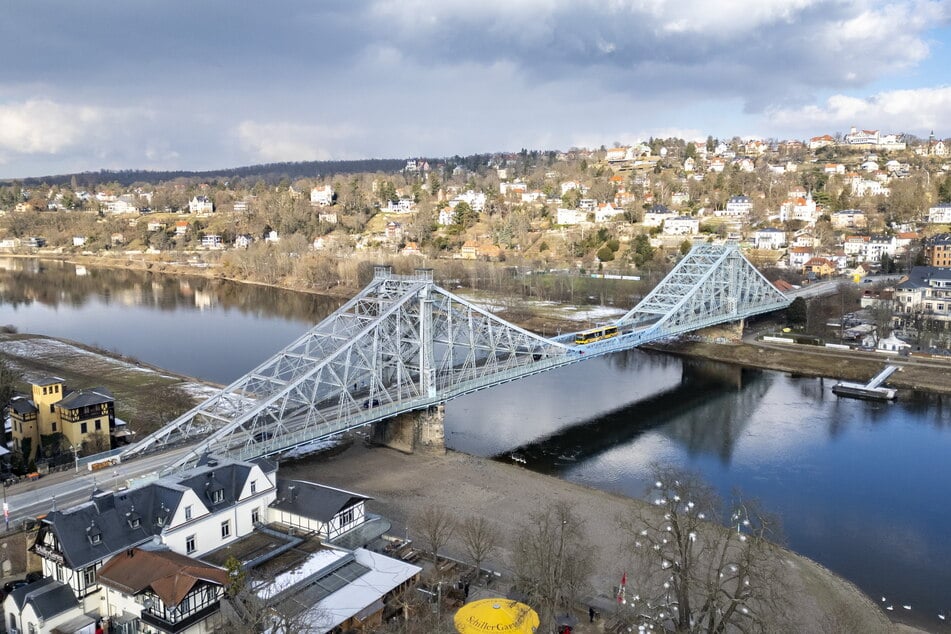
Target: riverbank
{"type": "Point", "coordinates": [403, 486]}
{"type": "Point", "coordinates": [929, 375]}
{"type": "Point", "coordinates": [146, 396]}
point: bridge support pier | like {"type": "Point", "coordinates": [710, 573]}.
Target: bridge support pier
{"type": "Point", "coordinates": [731, 332]}
{"type": "Point", "coordinates": [414, 432]}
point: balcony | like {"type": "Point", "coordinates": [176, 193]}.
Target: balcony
{"type": "Point", "coordinates": [162, 625]}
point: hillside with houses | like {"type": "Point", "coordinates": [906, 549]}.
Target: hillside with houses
{"type": "Point", "coordinates": [833, 205]}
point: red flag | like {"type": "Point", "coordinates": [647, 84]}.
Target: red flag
{"type": "Point", "coordinates": [624, 580]}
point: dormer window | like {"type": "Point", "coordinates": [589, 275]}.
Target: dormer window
{"type": "Point", "coordinates": [94, 535]}
{"type": "Point", "coordinates": [215, 492]}
{"type": "Point", "coordinates": [134, 519]}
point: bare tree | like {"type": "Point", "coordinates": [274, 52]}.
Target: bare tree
{"type": "Point", "coordinates": [247, 611]}
{"type": "Point", "coordinates": [419, 613]}
{"type": "Point", "coordinates": [552, 562]}
{"type": "Point", "coordinates": [692, 575]}
{"type": "Point", "coordinates": [437, 526]}
{"type": "Point", "coordinates": [479, 538]}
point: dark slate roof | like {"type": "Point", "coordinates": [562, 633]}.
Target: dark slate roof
{"type": "Point", "coordinates": [23, 405]}
{"type": "Point", "coordinates": [920, 275]}
{"type": "Point", "coordinates": [85, 398]}
{"type": "Point", "coordinates": [229, 478]}
{"type": "Point", "coordinates": [47, 596]}
{"type": "Point", "coordinates": [315, 501]}
{"type": "Point", "coordinates": [111, 515]}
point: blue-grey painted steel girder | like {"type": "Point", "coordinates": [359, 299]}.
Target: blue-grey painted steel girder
{"type": "Point", "coordinates": [403, 344]}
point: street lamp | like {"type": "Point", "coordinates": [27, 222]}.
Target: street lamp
{"type": "Point", "coordinates": [76, 449]}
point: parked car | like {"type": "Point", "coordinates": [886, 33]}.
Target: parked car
{"type": "Point", "coordinates": [10, 586]}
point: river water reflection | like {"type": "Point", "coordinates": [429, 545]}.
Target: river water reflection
{"type": "Point", "coordinates": [862, 487]}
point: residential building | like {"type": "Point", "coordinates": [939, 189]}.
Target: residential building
{"type": "Point", "coordinates": [869, 187]}
{"type": "Point", "coordinates": [211, 241]}
{"type": "Point", "coordinates": [855, 247]}
{"type": "Point", "coordinates": [681, 226]}
{"type": "Point", "coordinates": [45, 606]}
{"type": "Point", "coordinates": [938, 250]}
{"type": "Point", "coordinates": [181, 227]}
{"type": "Point", "coordinates": [475, 200]}
{"type": "Point", "coordinates": [571, 216]}
{"type": "Point", "coordinates": [940, 214]}
{"type": "Point", "coordinates": [769, 238]}
{"type": "Point", "coordinates": [606, 211]}
{"type": "Point", "coordinates": [818, 142]}
{"type": "Point", "coordinates": [656, 215]}
{"type": "Point", "coordinates": [880, 245]}
{"type": "Point", "coordinates": [736, 207]}
{"type": "Point", "coordinates": [801, 208]}
{"type": "Point", "coordinates": [820, 267]}
{"type": "Point", "coordinates": [155, 225]}
{"type": "Point", "coordinates": [322, 196]}
{"type": "Point", "coordinates": [192, 514]}
{"type": "Point", "coordinates": [401, 206]}
{"type": "Point", "coordinates": [78, 416]}
{"type": "Point", "coordinates": [679, 198]}
{"type": "Point", "coordinates": [162, 591]}
{"type": "Point", "coordinates": [79, 241]}
{"type": "Point", "coordinates": [848, 219]}
{"type": "Point", "coordinates": [243, 241]}
{"type": "Point", "coordinates": [926, 294]}
{"type": "Point", "coordinates": [798, 256]}
{"type": "Point", "coordinates": [393, 231]}
{"type": "Point", "coordinates": [862, 137]}
{"type": "Point", "coordinates": [201, 205]}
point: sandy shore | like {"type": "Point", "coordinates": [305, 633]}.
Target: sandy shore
{"type": "Point", "coordinates": [403, 485]}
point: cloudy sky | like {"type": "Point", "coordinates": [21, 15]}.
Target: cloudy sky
{"type": "Point", "coordinates": [202, 84]}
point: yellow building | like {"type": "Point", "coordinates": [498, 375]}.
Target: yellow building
{"type": "Point", "coordinates": [62, 418]}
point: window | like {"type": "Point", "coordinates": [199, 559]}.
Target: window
{"type": "Point", "coordinates": [188, 512]}
{"type": "Point", "coordinates": [44, 391]}
{"type": "Point", "coordinates": [83, 428]}
{"type": "Point", "coordinates": [254, 486]}
{"type": "Point", "coordinates": [54, 425]}
{"type": "Point", "coordinates": [98, 424]}
{"type": "Point", "coordinates": [52, 409]}
{"type": "Point", "coordinates": [89, 576]}
{"type": "Point", "coordinates": [56, 389]}
{"type": "Point", "coordinates": [346, 518]}
{"type": "Point", "coordinates": [190, 545]}
{"type": "Point", "coordinates": [226, 529]}
{"type": "Point", "coordinates": [217, 496]}
{"type": "Point", "coordinates": [255, 516]}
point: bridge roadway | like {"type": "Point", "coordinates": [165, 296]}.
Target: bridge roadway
{"type": "Point", "coordinates": [30, 499]}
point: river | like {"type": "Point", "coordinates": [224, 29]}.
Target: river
{"type": "Point", "coordinates": [861, 487]}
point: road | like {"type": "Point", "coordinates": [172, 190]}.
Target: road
{"type": "Point", "coordinates": [68, 488]}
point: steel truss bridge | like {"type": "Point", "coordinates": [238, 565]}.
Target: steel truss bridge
{"type": "Point", "coordinates": [405, 344]}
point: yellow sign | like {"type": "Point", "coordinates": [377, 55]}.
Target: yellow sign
{"type": "Point", "coordinates": [496, 615]}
